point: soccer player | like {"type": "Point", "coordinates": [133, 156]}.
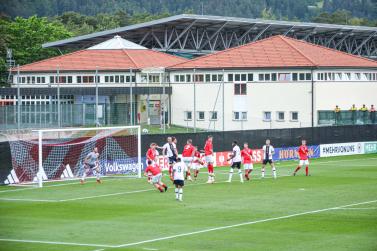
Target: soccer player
{"type": "Point", "coordinates": [246, 155]}
{"type": "Point", "coordinates": [187, 157]}
{"type": "Point", "coordinates": [156, 176]}
{"type": "Point", "coordinates": [196, 163]}
{"type": "Point", "coordinates": [236, 161]}
{"type": "Point", "coordinates": [91, 162]}
{"type": "Point", "coordinates": [170, 150]}
{"type": "Point", "coordinates": [152, 153]}
{"type": "Point", "coordinates": [303, 152]}
{"type": "Point", "coordinates": [268, 152]}
{"type": "Point", "coordinates": [179, 170]}
{"type": "Point", "coordinates": [208, 153]}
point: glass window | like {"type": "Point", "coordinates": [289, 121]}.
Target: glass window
{"type": "Point", "coordinates": [267, 116]}
{"type": "Point", "coordinates": [128, 79]}
{"type": "Point", "coordinates": [294, 116]}
{"type": "Point", "coordinates": [188, 115]}
{"type": "Point", "coordinates": [52, 80]}
{"type": "Point", "coordinates": [200, 115]}
{"type": "Point", "coordinates": [208, 77]}
{"type": "Point", "coordinates": [214, 77]}
{"type": "Point", "coordinates": [69, 79]}
{"type": "Point", "coordinates": [302, 76]}
{"type": "Point", "coordinates": [240, 89]}
{"type": "Point", "coordinates": [181, 78]}
{"type": "Point", "coordinates": [308, 76]}
{"type": "Point", "coordinates": [244, 116]}
{"type": "Point", "coordinates": [213, 115]}
{"type": "Point", "coordinates": [43, 80]}
{"type": "Point", "coordinates": [121, 80]}
{"type": "Point", "coordinates": [188, 78]}
{"type": "Point", "coordinates": [112, 79]}
{"type": "Point", "coordinates": [117, 79]}
{"type": "Point", "coordinates": [285, 77]}
{"type": "Point", "coordinates": [236, 115]}
{"type": "Point", "coordinates": [133, 78]}
{"type": "Point", "coordinates": [294, 76]}
{"type": "Point", "coordinates": [261, 77]}
{"type": "Point", "coordinates": [267, 77]}
{"type": "Point", "coordinates": [176, 78]}
{"type": "Point", "coordinates": [107, 79]}
{"type": "Point", "coordinates": [273, 77]}
{"type": "Point", "coordinates": [199, 78]}
{"type": "Point", "coordinates": [250, 77]}
{"type": "Point", "coordinates": [230, 77]}
{"type": "Point", "coordinates": [280, 116]}
{"type": "Point", "coordinates": [220, 77]}
{"type": "Point", "coordinates": [237, 77]}
{"type": "Point", "coordinates": [243, 77]}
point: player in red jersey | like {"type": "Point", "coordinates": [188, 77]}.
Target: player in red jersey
{"type": "Point", "coordinates": [187, 157]}
{"type": "Point", "coordinates": [208, 153]}
{"type": "Point", "coordinates": [151, 156]}
{"type": "Point", "coordinates": [156, 176]}
{"type": "Point", "coordinates": [303, 152]}
{"type": "Point", "coordinates": [196, 163]}
{"type": "Point", "coordinates": [247, 155]}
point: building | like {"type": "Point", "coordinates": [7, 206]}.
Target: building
{"type": "Point", "coordinates": [121, 72]}
{"type": "Point", "coordinates": [277, 82]}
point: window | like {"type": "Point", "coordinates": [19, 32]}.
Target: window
{"type": "Point", "coordinates": [237, 77]}
{"type": "Point", "coordinates": [294, 76]}
{"type": "Point", "coordinates": [208, 77]}
{"type": "Point", "coordinates": [52, 80]}
{"type": "Point", "coordinates": [107, 79]}
{"type": "Point", "coordinates": [241, 116]}
{"type": "Point", "coordinates": [217, 77]}
{"type": "Point", "coordinates": [294, 116]}
{"type": "Point", "coordinates": [267, 77]}
{"type": "Point", "coordinates": [308, 76]}
{"type": "Point", "coordinates": [230, 77]}
{"type": "Point", "coordinates": [121, 79]}
{"type": "Point", "coordinates": [261, 77]}
{"type": "Point", "coordinates": [176, 78]}
{"type": "Point", "coordinates": [213, 115]}
{"type": "Point", "coordinates": [188, 78]}
{"type": "Point", "coordinates": [357, 76]}
{"type": "Point", "coordinates": [69, 79]}
{"type": "Point", "coordinates": [128, 79]}
{"type": "Point", "coordinates": [200, 116]}
{"type": "Point", "coordinates": [273, 76]}
{"type": "Point", "coordinates": [285, 77]}
{"type": "Point", "coordinates": [240, 89]}
{"type": "Point", "coordinates": [347, 76]}
{"type": "Point", "coordinates": [280, 116]}
{"type": "Point", "coordinates": [302, 76]}
{"type": "Point", "coordinates": [111, 79]}
{"type": "Point", "coordinates": [250, 77]}
{"type": "Point", "coordinates": [214, 78]}
{"type": "Point", "coordinates": [266, 116]}
{"type": "Point", "coordinates": [199, 78]}
{"type": "Point", "coordinates": [243, 77]}
{"type": "Point", "coordinates": [117, 79]}
{"type": "Point", "coordinates": [188, 115]}
{"type": "Point", "coordinates": [43, 80]}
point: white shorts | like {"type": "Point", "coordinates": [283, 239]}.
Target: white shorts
{"type": "Point", "coordinates": [248, 166]}
{"type": "Point", "coordinates": [187, 161]}
{"type": "Point", "coordinates": [304, 162]}
{"type": "Point", "coordinates": [195, 166]}
{"type": "Point", "coordinates": [156, 179]}
{"type": "Point", "coordinates": [209, 158]}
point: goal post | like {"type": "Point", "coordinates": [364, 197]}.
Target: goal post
{"type": "Point", "coordinates": [58, 154]}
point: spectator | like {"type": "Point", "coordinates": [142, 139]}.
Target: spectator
{"type": "Point", "coordinates": [353, 111]}
{"type": "Point", "coordinates": [364, 111]}
{"type": "Point", "coordinates": [337, 114]}
{"type": "Point", "coordinates": [372, 113]}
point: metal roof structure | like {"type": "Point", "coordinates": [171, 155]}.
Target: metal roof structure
{"type": "Point", "coordinates": [201, 34]}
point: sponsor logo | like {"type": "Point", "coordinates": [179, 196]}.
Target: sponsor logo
{"type": "Point", "coordinates": [122, 166]}
{"type": "Point", "coordinates": [370, 147]}
{"type": "Point", "coordinates": [289, 153]}
{"type": "Point", "coordinates": [342, 149]}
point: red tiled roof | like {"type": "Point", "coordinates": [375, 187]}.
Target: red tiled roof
{"type": "Point", "coordinates": [85, 60]}
{"type": "Point", "coordinates": [277, 52]}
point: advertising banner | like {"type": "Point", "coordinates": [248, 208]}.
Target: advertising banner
{"type": "Point", "coordinates": [290, 153]}
{"type": "Point", "coordinates": [341, 149]}
{"type": "Point", "coordinates": [124, 166]}
{"type": "Point", "coordinates": [370, 147]}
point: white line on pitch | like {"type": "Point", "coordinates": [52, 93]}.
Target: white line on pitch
{"type": "Point", "coordinates": [189, 233]}
{"type": "Point", "coordinates": [242, 224]}
{"type": "Point", "coordinates": [359, 208]}
{"type": "Point", "coordinates": [58, 243]}
{"type": "Point", "coordinates": [30, 200]}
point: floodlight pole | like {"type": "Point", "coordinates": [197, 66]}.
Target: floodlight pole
{"type": "Point", "coordinates": [131, 100]}
{"type": "Point", "coordinates": [194, 100]}
{"type": "Point", "coordinates": [164, 107]}
{"type": "Point", "coordinates": [18, 99]}
{"type": "Point", "coordinates": [58, 94]}
{"type": "Point", "coordinates": [223, 105]}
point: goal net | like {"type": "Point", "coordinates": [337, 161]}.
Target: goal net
{"type": "Point", "coordinates": [58, 154]}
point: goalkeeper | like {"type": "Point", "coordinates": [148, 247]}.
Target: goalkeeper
{"type": "Point", "coordinates": [91, 163]}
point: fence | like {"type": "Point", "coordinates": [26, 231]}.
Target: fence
{"type": "Point", "coordinates": [346, 118]}
{"type": "Point", "coordinates": [71, 115]}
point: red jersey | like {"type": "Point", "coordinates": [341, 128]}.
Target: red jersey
{"type": "Point", "coordinates": [208, 148]}
{"type": "Point", "coordinates": [151, 154]}
{"type": "Point", "coordinates": [197, 157]}
{"type": "Point", "coordinates": [154, 170]}
{"type": "Point", "coordinates": [303, 152]}
{"type": "Point", "coordinates": [246, 154]}
{"type": "Point", "coordinates": [188, 150]}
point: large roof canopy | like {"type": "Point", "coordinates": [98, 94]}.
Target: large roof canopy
{"type": "Point", "coordinates": [200, 34]}
{"type": "Point", "coordinates": [277, 52]}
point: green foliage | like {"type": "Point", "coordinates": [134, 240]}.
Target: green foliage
{"type": "Point", "coordinates": [342, 17]}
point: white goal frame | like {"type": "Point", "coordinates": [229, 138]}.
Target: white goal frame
{"type": "Point", "coordinates": [40, 145]}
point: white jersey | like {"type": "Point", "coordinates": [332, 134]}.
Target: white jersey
{"type": "Point", "coordinates": [268, 151]}
{"type": "Point", "coordinates": [169, 149]}
{"type": "Point", "coordinates": [237, 154]}
{"type": "Point", "coordinates": [179, 170]}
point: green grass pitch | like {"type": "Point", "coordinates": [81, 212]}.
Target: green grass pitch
{"type": "Point", "coordinates": [334, 209]}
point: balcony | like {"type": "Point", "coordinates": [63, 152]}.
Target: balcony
{"type": "Point", "coordinates": [346, 118]}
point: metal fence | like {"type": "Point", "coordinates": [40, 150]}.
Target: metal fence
{"type": "Point", "coordinates": [69, 115]}
{"type": "Point", "coordinates": [346, 118]}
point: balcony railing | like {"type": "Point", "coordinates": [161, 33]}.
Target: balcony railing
{"type": "Point", "coordinates": [346, 118]}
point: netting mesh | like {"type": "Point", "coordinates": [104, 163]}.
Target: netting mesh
{"type": "Point", "coordinates": [63, 152]}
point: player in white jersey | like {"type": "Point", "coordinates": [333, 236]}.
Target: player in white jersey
{"type": "Point", "coordinates": [268, 152]}
{"type": "Point", "coordinates": [236, 161]}
{"type": "Point", "coordinates": [179, 171]}
{"type": "Point", "coordinates": [91, 162]}
{"type": "Point", "coordinates": [170, 150]}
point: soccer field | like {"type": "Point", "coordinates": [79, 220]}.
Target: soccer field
{"type": "Point", "coordinates": [334, 209]}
